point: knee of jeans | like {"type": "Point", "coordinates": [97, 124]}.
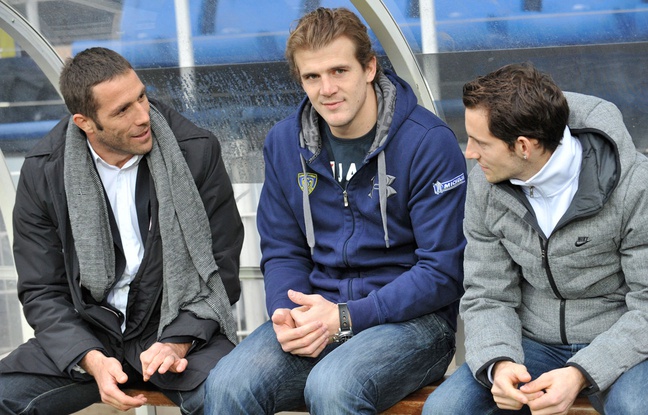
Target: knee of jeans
{"type": "Point", "coordinates": [325, 384]}
{"type": "Point", "coordinates": [627, 404]}
{"type": "Point", "coordinates": [433, 406]}
{"type": "Point", "coordinates": [319, 385]}
{"type": "Point", "coordinates": [221, 379]}
{"type": "Point", "coordinates": [448, 404]}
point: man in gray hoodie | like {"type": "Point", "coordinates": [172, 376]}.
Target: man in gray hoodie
{"type": "Point", "coordinates": [556, 300]}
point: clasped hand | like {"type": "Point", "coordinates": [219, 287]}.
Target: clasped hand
{"type": "Point", "coordinates": [307, 329]}
{"type": "Point", "coordinates": [553, 392]}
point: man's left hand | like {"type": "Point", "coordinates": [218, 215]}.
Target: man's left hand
{"type": "Point", "coordinates": [163, 357]}
{"type": "Point", "coordinates": [561, 387]}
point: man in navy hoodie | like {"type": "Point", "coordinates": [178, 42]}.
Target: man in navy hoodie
{"type": "Point", "coordinates": [361, 233]}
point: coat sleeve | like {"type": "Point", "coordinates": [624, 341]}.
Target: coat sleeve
{"type": "Point", "coordinates": [203, 153]}
{"type": "Point", "coordinates": [224, 219]}
{"type": "Point", "coordinates": [43, 286]}
{"type": "Point", "coordinates": [625, 343]}
{"type": "Point", "coordinates": [492, 287]}
{"type": "Point", "coordinates": [205, 161]}
{"type": "Point", "coordinates": [286, 262]}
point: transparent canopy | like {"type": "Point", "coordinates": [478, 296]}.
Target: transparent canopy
{"type": "Point", "coordinates": [220, 63]}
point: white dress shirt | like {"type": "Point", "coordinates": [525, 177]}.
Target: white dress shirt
{"type": "Point", "coordinates": [119, 184]}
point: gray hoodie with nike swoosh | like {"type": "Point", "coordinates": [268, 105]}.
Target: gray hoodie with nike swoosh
{"type": "Point", "coordinates": [587, 282]}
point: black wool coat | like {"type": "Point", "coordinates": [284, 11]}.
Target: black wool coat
{"type": "Point", "coordinates": [66, 320]}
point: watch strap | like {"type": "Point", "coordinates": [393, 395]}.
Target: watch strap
{"type": "Point", "coordinates": [345, 320]}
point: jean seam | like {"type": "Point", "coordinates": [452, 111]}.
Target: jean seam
{"type": "Point", "coordinates": [42, 395]}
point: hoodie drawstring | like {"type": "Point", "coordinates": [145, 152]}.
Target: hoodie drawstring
{"type": "Point", "coordinates": [308, 216]}
{"type": "Point", "coordinates": [309, 138]}
{"type": "Point", "coordinates": [382, 192]}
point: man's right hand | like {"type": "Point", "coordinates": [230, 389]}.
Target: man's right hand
{"type": "Point", "coordinates": [108, 373]}
{"type": "Point", "coordinates": [506, 378]}
{"type": "Point", "coordinates": [308, 340]}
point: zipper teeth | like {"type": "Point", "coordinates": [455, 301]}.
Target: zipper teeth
{"type": "Point", "coordinates": [346, 242]}
{"type": "Point", "coordinates": [554, 288]}
{"type": "Point", "coordinates": [563, 328]}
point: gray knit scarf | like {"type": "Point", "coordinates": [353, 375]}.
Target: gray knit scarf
{"type": "Point", "coordinates": [191, 280]}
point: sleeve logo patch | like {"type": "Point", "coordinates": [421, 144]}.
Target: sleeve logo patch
{"type": "Point", "coordinates": [441, 187]}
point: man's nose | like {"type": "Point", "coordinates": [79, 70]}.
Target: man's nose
{"type": "Point", "coordinates": [142, 115]}
{"type": "Point", "coordinates": [328, 86]}
{"type": "Point", "coordinates": [470, 150]}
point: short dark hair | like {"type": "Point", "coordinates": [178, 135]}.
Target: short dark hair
{"type": "Point", "coordinates": [85, 70]}
{"type": "Point", "coordinates": [520, 101]}
{"type": "Point", "coordinates": [321, 27]}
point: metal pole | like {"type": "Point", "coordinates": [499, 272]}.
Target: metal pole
{"type": "Point", "coordinates": [186, 60]}
{"type": "Point", "coordinates": [183, 25]}
{"type": "Point", "coordinates": [430, 48]}
{"type": "Point", "coordinates": [32, 13]}
{"type": "Point", "coordinates": [429, 42]}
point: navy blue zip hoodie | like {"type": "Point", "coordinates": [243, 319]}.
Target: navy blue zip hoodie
{"type": "Point", "coordinates": [391, 244]}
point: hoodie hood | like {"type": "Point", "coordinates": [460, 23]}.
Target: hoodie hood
{"type": "Point", "coordinates": [593, 114]}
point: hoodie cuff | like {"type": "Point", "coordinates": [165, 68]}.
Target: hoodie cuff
{"type": "Point", "coordinates": [363, 313]}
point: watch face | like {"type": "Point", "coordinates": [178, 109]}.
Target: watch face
{"type": "Point", "coordinates": [342, 336]}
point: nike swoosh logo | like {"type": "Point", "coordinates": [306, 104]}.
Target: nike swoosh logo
{"type": "Point", "coordinates": [581, 242]}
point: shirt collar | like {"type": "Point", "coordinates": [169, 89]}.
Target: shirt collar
{"type": "Point", "coordinates": [560, 170]}
{"type": "Point", "coordinates": [133, 161]}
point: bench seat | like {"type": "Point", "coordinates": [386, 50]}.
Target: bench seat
{"type": "Point", "coordinates": [411, 405]}
{"type": "Point", "coordinates": [153, 398]}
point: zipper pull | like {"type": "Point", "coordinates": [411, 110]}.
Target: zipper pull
{"type": "Point", "coordinates": [346, 198]}
{"type": "Point", "coordinates": [545, 260]}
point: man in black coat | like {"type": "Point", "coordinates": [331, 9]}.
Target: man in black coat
{"type": "Point", "coordinates": [127, 241]}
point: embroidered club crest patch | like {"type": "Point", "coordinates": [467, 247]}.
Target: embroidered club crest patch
{"type": "Point", "coordinates": [440, 187]}
{"type": "Point", "coordinates": [309, 180]}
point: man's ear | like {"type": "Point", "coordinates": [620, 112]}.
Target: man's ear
{"type": "Point", "coordinates": [84, 123]}
{"type": "Point", "coordinates": [525, 144]}
{"type": "Point", "coordinates": [372, 68]}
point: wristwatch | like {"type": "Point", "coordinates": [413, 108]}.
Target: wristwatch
{"type": "Point", "coordinates": [345, 332]}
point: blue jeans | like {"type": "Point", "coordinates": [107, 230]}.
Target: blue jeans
{"type": "Point", "coordinates": [369, 373]}
{"type": "Point", "coordinates": [462, 394]}
{"type": "Point", "coordinates": [24, 393]}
